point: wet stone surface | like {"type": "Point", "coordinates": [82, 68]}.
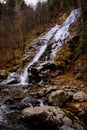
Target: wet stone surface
{"type": "Point", "coordinates": [18, 99]}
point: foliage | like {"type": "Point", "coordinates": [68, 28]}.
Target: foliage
{"type": "Point", "coordinates": [11, 3]}
{"type": "Point", "coordinates": [23, 5]}
{"type": "Point", "coordinates": [17, 20]}
{"type": "Point", "coordinates": [67, 3]}
{"type": "Point", "coordinates": [84, 10]}
{"type": "Point", "coordinates": [53, 4]}
{"type": "Point", "coordinates": [83, 40]}
{"type": "Point", "coordinates": [1, 6]}
{"type": "Point", "coordinates": [59, 4]}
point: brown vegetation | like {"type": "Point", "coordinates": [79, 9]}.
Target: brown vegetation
{"type": "Point", "coordinates": [20, 23]}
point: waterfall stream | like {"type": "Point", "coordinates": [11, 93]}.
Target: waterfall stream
{"type": "Point", "coordinates": [56, 36]}
{"type": "Point", "coordinates": [24, 76]}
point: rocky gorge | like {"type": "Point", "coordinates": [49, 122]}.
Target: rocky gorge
{"type": "Point", "coordinates": [51, 93]}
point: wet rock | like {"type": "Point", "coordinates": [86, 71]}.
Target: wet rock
{"type": "Point", "coordinates": [67, 121]}
{"type": "Point", "coordinates": [40, 118]}
{"type": "Point", "coordinates": [13, 78]}
{"type": "Point", "coordinates": [70, 92]}
{"type": "Point", "coordinates": [34, 75]}
{"type": "Point", "coordinates": [47, 90]}
{"type": "Point", "coordinates": [29, 102]}
{"type": "Point", "coordinates": [57, 98]}
{"type": "Point", "coordinates": [65, 127]}
{"type": "Point", "coordinates": [26, 102]}
{"type": "Point", "coordinates": [5, 91]}
{"type": "Point", "coordinates": [8, 101]}
{"type": "Point", "coordinates": [80, 96]}
{"type": "Point", "coordinates": [4, 112]}
{"type": "Point", "coordinates": [42, 71]}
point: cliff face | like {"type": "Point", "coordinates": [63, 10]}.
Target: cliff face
{"type": "Point", "coordinates": [72, 56]}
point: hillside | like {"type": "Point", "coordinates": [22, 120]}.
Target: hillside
{"type": "Point", "coordinates": [43, 76]}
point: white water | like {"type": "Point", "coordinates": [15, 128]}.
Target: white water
{"type": "Point", "coordinates": [24, 76]}
{"type": "Point", "coordinates": [64, 127]}
{"type": "Point", "coordinates": [63, 32]}
{"type": "Point", "coordinates": [41, 103]}
{"type": "Point", "coordinates": [45, 39]}
{"type": "Point", "coordinates": [4, 110]}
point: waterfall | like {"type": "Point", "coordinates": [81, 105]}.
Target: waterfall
{"type": "Point", "coordinates": [24, 76]}
{"type": "Point", "coordinates": [63, 32]}
{"type": "Point", "coordinates": [57, 36]}
{"type": "Point", "coordinates": [45, 39]}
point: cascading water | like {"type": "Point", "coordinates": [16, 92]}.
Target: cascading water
{"type": "Point", "coordinates": [57, 36]}
{"type": "Point", "coordinates": [45, 39]}
{"type": "Point", "coordinates": [63, 32]}
{"type": "Point", "coordinates": [24, 77]}
{"type": "Point", "coordinates": [4, 110]}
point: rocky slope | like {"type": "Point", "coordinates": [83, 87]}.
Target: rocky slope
{"type": "Point", "coordinates": [55, 96]}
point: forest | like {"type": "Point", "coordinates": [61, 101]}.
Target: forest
{"type": "Point", "coordinates": [18, 21]}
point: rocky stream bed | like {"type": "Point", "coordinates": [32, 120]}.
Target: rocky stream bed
{"type": "Point", "coordinates": [36, 107]}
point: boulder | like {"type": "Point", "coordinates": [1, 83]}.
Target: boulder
{"type": "Point", "coordinates": [41, 118]}
{"type": "Point", "coordinates": [42, 71]}
{"type": "Point", "coordinates": [80, 96]}
{"type": "Point", "coordinates": [8, 101]}
{"type": "Point", "coordinates": [34, 75]}
{"type": "Point", "coordinates": [57, 98]}
{"type": "Point", "coordinates": [46, 90]}
{"type": "Point", "coordinates": [29, 102]}
{"type": "Point", "coordinates": [13, 78]}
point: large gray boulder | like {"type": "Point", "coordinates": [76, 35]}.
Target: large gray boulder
{"type": "Point", "coordinates": [57, 98]}
{"type": "Point", "coordinates": [13, 78]}
{"type": "Point", "coordinates": [80, 96]}
{"type": "Point", "coordinates": [53, 118]}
